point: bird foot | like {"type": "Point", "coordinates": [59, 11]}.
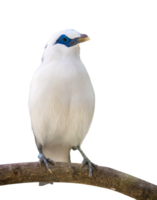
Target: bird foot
{"type": "Point", "coordinates": [85, 162]}
{"type": "Point", "coordinates": [46, 161]}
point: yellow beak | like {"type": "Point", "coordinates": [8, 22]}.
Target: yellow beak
{"type": "Point", "coordinates": [83, 38]}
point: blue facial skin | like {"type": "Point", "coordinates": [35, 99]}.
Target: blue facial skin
{"type": "Point", "coordinates": [63, 39]}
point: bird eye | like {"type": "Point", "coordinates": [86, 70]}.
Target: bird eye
{"type": "Point", "coordinates": [64, 39]}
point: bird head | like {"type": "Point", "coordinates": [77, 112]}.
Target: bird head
{"type": "Point", "coordinates": [64, 43]}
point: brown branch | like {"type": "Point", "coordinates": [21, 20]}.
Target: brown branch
{"type": "Point", "coordinates": [72, 173]}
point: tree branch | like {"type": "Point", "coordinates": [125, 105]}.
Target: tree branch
{"type": "Point", "coordinates": [72, 173]}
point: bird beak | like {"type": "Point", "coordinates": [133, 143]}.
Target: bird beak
{"type": "Point", "coordinates": [83, 38]}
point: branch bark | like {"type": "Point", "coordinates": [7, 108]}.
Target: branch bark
{"type": "Point", "coordinates": [72, 173]}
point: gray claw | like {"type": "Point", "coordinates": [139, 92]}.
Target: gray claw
{"type": "Point", "coordinates": [90, 165]}
{"type": "Point", "coordinates": [43, 159]}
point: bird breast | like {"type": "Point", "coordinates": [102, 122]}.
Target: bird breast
{"type": "Point", "coordinates": [61, 103]}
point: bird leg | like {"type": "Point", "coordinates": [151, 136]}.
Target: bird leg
{"type": "Point", "coordinates": [86, 161]}
{"type": "Point", "coordinates": [42, 159]}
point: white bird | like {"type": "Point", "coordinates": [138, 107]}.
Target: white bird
{"type": "Point", "coordinates": [61, 99]}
